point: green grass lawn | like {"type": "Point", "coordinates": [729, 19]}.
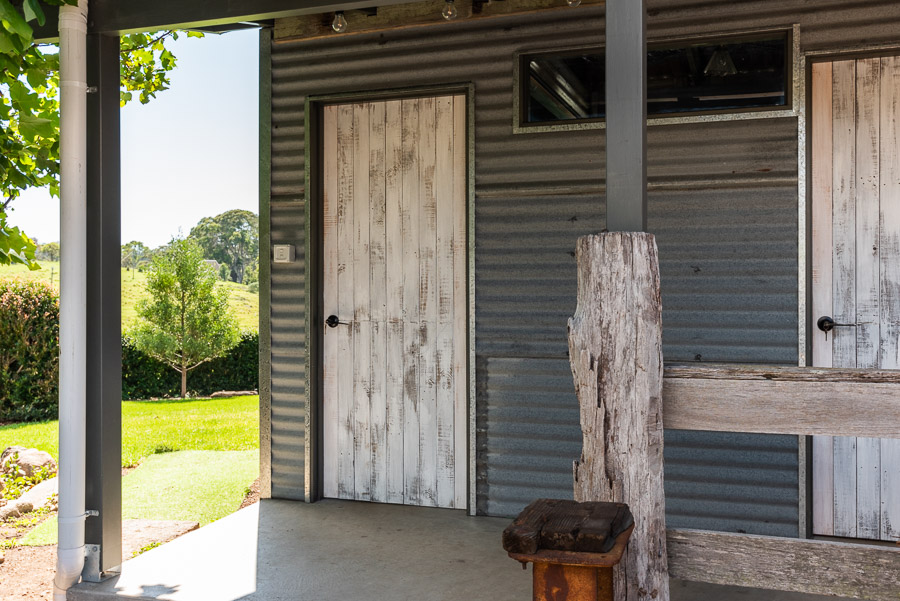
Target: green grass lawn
{"type": "Point", "coordinates": [196, 486]}
{"type": "Point", "coordinates": [244, 304]}
{"type": "Point", "coordinates": [150, 427]}
{"type": "Point", "coordinates": [197, 458]}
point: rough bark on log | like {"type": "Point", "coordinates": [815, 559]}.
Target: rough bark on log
{"type": "Point", "coordinates": [615, 348]}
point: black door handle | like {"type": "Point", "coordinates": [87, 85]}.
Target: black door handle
{"type": "Point", "coordinates": [334, 321]}
{"type": "Point", "coordinates": [826, 324]}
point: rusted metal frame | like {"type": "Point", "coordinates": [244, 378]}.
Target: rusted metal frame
{"type": "Point", "coordinates": [572, 575]}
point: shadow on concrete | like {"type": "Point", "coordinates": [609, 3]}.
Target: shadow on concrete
{"type": "Point", "coordinates": [347, 551]}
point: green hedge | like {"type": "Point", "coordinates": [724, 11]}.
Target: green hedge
{"type": "Point", "coordinates": [29, 351]}
{"type": "Point", "coordinates": [144, 377]}
{"type": "Point", "coordinates": [29, 359]}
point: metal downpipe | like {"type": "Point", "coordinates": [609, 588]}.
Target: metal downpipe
{"type": "Point", "coordinates": [73, 295]}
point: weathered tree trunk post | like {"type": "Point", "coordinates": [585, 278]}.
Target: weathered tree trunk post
{"type": "Point", "coordinates": [615, 348]}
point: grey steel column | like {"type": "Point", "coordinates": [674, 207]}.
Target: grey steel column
{"type": "Point", "coordinates": [104, 310]}
{"type": "Point", "coordinates": [626, 115]}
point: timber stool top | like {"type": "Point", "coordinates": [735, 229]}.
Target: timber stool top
{"type": "Point", "coordinates": [569, 533]}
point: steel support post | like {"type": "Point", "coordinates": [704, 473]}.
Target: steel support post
{"type": "Point", "coordinates": [104, 311]}
{"type": "Point", "coordinates": [626, 116]}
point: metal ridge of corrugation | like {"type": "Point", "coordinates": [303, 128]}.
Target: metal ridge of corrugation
{"type": "Point", "coordinates": [288, 405]}
{"type": "Point", "coordinates": [722, 203]}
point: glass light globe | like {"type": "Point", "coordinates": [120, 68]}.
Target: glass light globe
{"type": "Point", "coordinates": [449, 11]}
{"type": "Point", "coordinates": [573, 3]}
{"type": "Point", "coordinates": [340, 22]}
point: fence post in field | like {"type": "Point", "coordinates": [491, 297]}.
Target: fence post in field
{"type": "Point", "coordinates": [615, 341]}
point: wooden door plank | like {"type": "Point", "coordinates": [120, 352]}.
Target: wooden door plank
{"type": "Point", "coordinates": [330, 369]}
{"type": "Point", "coordinates": [868, 284]}
{"type": "Point", "coordinates": [460, 297]}
{"type": "Point", "coordinates": [346, 303]}
{"type": "Point", "coordinates": [823, 446]}
{"type": "Point", "coordinates": [362, 442]}
{"type": "Point", "coordinates": [409, 223]}
{"type": "Point", "coordinates": [843, 278]}
{"type": "Point", "coordinates": [460, 300]}
{"type": "Point", "coordinates": [889, 170]}
{"type": "Point", "coordinates": [394, 303]}
{"type": "Point", "coordinates": [362, 334]}
{"type": "Point", "coordinates": [443, 185]}
{"type": "Point", "coordinates": [427, 305]}
{"type": "Point", "coordinates": [377, 304]}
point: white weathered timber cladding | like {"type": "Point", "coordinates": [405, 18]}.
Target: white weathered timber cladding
{"type": "Point", "coordinates": [394, 247]}
{"type": "Point", "coordinates": [856, 271]}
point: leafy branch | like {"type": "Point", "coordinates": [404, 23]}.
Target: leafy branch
{"type": "Point", "coordinates": [29, 107]}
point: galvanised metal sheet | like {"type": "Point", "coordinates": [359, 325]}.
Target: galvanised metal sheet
{"type": "Point", "coordinates": [723, 204]}
{"type": "Point", "coordinates": [288, 405]}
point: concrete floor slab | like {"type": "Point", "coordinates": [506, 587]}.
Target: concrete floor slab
{"type": "Point", "coordinates": [345, 551]}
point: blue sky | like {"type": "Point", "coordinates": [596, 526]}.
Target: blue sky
{"type": "Point", "coordinates": [190, 153]}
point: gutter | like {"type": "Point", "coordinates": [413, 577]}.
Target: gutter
{"type": "Point", "coordinates": [73, 295]}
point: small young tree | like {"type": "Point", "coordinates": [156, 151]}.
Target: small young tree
{"type": "Point", "coordinates": [185, 322]}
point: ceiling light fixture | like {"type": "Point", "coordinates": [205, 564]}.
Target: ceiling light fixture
{"type": "Point", "coordinates": [340, 22]}
{"type": "Point", "coordinates": [449, 12]}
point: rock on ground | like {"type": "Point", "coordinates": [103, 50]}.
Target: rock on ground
{"type": "Point", "coordinates": [229, 393]}
{"type": "Point", "coordinates": [15, 509]}
{"type": "Point", "coordinates": [41, 494]}
{"type": "Point", "coordinates": [29, 460]}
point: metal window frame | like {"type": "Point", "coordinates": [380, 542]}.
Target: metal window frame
{"type": "Point", "coordinates": [792, 107]}
{"type": "Point", "coordinates": [314, 272]}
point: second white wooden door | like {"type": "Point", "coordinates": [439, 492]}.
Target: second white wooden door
{"type": "Point", "coordinates": [394, 373]}
{"type": "Point", "coordinates": [856, 280]}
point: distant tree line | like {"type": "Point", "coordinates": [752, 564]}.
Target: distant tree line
{"type": "Point", "coordinates": [231, 239]}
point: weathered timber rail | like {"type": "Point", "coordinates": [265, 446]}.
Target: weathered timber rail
{"type": "Point", "coordinates": [805, 566]}
{"type": "Point", "coordinates": [782, 400]}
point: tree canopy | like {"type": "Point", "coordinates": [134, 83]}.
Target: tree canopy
{"type": "Point", "coordinates": [231, 238]}
{"type": "Point", "coordinates": [29, 107]}
{"type": "Point", "coordinates": [186, 321]}
{"type": "Point", "coordinates": [134, 254]}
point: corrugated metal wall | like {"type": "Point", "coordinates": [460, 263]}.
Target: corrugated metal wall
{"type": "Point", "coordinates": [723, 203]}
{"type": "Point", "coordinates": [288, 404]}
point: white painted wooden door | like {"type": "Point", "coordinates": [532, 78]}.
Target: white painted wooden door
{"type": "Point", "coordinates": [856, 279]}
{"type": "Point", "coordinates": [394, 374]}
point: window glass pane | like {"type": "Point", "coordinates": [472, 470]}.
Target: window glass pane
{"type": "Point", "coordinates": [714, 77]}
{"type": "Point", "coordinates": [688, 77]}
{"type": "Point", "coordinates": [566, 87]}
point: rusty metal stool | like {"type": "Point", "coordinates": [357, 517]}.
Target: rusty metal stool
{"type": "Point", "coordinates": [573, 547]}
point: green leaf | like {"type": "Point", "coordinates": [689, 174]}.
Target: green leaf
{"type": "Point", "coordinates": [15, 246]}
{"type": "Point", "coordinates": [31, 127]}
{"type": "Point", "coordinates": [14, 23]}
{"type": "Point", "coordinates": [7, 46]}
{"type": "Point", "coordinates": [34, 12]}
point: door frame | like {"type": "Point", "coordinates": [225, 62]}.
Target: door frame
{"type": "Point", "coordinates": [314, 263]}
{"type": "Point", "coordinates": [805, 297]}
